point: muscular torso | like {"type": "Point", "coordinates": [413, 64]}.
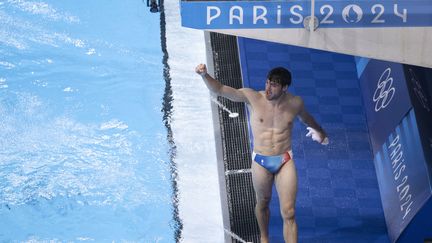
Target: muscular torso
{"type": "Point", "coordinates": [272, 122]}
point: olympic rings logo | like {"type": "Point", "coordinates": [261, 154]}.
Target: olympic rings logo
{"type": "Point", "coordinates": [384, 92]}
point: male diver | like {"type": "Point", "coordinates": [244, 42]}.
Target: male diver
{"type": "Point", "coordinates": [272, 113]}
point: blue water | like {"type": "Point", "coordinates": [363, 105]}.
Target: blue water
{"type": "Point", "coordinates": [84, 153]}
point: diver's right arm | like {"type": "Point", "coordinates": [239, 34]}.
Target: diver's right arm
{"type": "Point", "coordinates": [216, 87]}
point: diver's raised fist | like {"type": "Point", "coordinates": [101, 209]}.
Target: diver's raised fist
{"type": "Point", "coordinates": [201, 69]}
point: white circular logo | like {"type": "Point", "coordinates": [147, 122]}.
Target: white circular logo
{"type": "Point", "coordinates": [352, 13]}
{"type": "Point", "coordinates": [384, 92]}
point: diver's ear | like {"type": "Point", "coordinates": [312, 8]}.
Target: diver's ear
{"type": "Point", "coordinates": [285, 88]}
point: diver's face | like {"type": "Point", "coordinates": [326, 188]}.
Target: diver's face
{"type": "Point", "coordinates": [273, 90]}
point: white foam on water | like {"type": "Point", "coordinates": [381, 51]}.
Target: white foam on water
{"type": "Point", "coordinates": [91, 51]}
{"type": "Point", "coordinates": [113, 124]}
{"type": "Point", "coordinates": [6, 65]}
{"type": "Point", "coordinates": [43, 9]}
{"type": "Point", "coordinates": [59, 156]}
{"type": "Point", "coordinates": [3, 84]}
{"type": "Point", "coordinates": [20, 33]}
{"type": "Point", "coordinates": [68, 89]}
{"type": "Point", "coordinates": [193, 132]}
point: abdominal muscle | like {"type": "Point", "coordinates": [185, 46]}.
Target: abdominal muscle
{"type": "Point", "coordinates": [272, 124]}
{"type": "Point", "coordinates": [272, 141]}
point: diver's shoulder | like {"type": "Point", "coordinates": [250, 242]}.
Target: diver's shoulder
{"type": "Point", "coordinates": [294, 99]}
{"type": "Point", "coordinates": [251, 94]}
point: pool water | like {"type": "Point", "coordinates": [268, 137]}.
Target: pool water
{"type": "Point", "coordinates": [84, 152]}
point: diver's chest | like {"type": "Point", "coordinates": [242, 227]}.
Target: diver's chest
{"type": "Point", "coordinates": [273, 116]}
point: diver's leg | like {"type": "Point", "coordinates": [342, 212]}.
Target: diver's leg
{"type": "Point", "coordinates": [262, 182]}
{"type": "Point", "coordinates": [286, 185]}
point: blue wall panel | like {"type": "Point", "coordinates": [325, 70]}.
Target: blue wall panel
{"type": "Point", "coordinates": [398, 107]}
{"type": "Point", "coordinates": [338, 198]}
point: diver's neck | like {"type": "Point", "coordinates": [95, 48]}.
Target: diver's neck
{"type": "Point", "coordinates": [276, 102]}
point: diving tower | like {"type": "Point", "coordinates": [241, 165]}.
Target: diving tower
{"type": "Point", "coordinates": [377, 53]}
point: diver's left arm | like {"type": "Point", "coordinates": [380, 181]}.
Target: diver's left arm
{"type": "Point", "coordinates": [315, 131]}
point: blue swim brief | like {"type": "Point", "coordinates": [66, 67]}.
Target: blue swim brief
{"type": "Point", "coordinates": [272, 163]}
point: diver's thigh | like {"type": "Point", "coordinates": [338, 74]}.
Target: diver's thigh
{"type": "Point", "coordinates": [262, 181]}
{"type": "Point", "coordinates": [286, 183]}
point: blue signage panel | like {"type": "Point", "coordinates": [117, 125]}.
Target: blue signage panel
{"type": "Point", "coordinates": [402, 176]}
{"type": "Point", "coordinates": [291, 14]}
{"type": "Point", "coordinates": [386, 99]}
{"type": "Point", "coordinates": [418, 82]}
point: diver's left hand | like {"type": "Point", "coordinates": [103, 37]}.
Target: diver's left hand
{"type": "Point", "coordinates": [317, 136]}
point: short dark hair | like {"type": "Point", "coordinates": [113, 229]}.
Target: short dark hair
{"type": "Point", "coordinates": [280, 75]}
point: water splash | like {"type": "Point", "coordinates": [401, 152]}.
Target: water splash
{"type": "Point", "coordinates": [43, 9]}
{"type": "Point", "coordinates": [45, 157]}
{"type": "Point", "coordinates": [233, 235]}
{"type": "Point", "coordinates": [231, 114]}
